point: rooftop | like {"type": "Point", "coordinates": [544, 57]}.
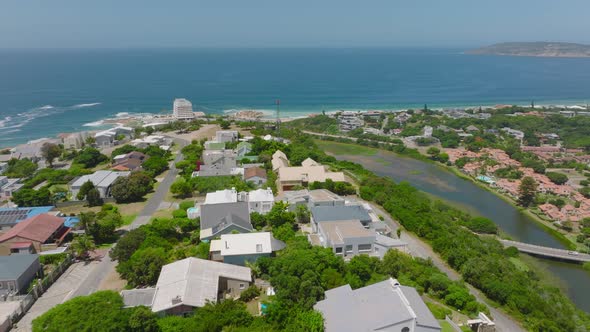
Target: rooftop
{"type": "Point", "coordinates": [11, 267]}
{"type": "Point", "coordinates": [337, 213]}
{"type": "Point", "coordinates": [254, 171]}
{"type": "Point", "coordinates": [261, 195]}
{"type": "Point", "coordinates": [337, 231]}
{"type": "Point", "coordinates": [222, 196]}
{"type": "Point", "coordinates": [374, 307]}
{"type": "Point", "coordinates": [193, 282]}
{"type": "Point", "coordinates": [9, 216]}
{"type": "Point", "coordinates": [38, 228]}
{"type": "Point", "coordinates": [323, 195]}
{"type": "Point", "coordinates": [137, 297]}
{"type": "Point", "coordinates": [246, 244]}
{"type": "Point", "coordinates": [99, 178]}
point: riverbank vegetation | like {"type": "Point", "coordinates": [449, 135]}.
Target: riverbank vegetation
{"type": "Point", "coordinates": [482, 261]}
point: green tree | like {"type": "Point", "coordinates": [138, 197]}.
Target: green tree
{"type": "Point", "coordinates": [93, 197]}
{"type": "Point", "coordinates": [128, 244]}
{"type": "Point", "coordinates": [20, 168]}
{"type": "Point", "coordinates": [84, 189]}
{"type": "Point", "coordinates": [50, 151]}
{"type": "Point", "coordinates": [181, 188]}
{"type": "Point", "coordinates": [155, 165]}
{"type": "Point", "coordinates": [90, 157]}
{"type": "Point", "coordinates": [142, 319]}
{"type": "Point", "coordinates": [81, 246]}
{"type": "Point", "coordinates": [302, 214]}
{"type": "Point", "coordinates": [557, 178]}
{"type": "Point", "coordinates": [280, 214]}
{"type": "Point", "coordinates": [31, 197]}
{"type": "Point", "coordinates": [527, 191]}
{"type": "Point", "coordinates": [98, 311]}
{"type": "Point", "coordinates": [131, 188]}
{"type": "Point", "coordinates": [143, 267]}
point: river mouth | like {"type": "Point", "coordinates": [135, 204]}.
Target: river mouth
{"type": "Point", "coordinates": [438, 182]}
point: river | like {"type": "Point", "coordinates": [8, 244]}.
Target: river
{"type": "Point", "coordinates": [463, 193]}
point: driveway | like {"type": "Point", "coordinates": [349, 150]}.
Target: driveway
{"type": "Point", "coordinates": [57, 293]}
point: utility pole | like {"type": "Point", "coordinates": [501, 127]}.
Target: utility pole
{"type": "Point", "coordinates": [278, 124]}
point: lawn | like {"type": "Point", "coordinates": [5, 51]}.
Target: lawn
{"type": "Point", "coordinates": [128, 219]}
{"type": "Point", "coordinates": [345, 149]}
{"type": "Point", "coordinates": [446, 327]}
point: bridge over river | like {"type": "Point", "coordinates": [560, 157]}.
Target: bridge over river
{"type": "Point", "coordinates": [566, 255]}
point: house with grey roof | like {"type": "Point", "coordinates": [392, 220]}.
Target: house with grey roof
{"type": "Point", "coordinates": [384, 306]}
{"type": "Point", "coordinates": [238, 249]}
{"type": "Point", "coordinates": [218, 163]}
{"type": "Point", "coordinates": [224, 218]}
{"type": "Point", "coordinates": [17, 272]}
{"type": "Point", "coordinates": [192, 282]}
{"type": "Point", "coordinates": [320, 214]}
{"type": "Point", "coordinates": [226, 136]}
{"type": "Point", "coordinates": [310, 198]}
{"type": "Point", "coordinates": [102, 180]}
{"type": "Point", "coordinates": [347, 238]}
{"type": "Point", "coordinates": [243, 149]}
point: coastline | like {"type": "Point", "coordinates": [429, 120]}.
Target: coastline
{"type": "Point", "coordinates": [266, 114]}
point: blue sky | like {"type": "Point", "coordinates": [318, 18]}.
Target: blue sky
{"type": "Point", "coordinates": [279, 23]}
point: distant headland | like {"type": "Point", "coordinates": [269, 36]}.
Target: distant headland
{"type": "Point", "coordinates": [540, 49]}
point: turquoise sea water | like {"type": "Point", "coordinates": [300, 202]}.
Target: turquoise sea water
{"type": "Point", "coordinates": [45, 92]}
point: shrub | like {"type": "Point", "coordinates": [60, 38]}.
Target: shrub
{"type": "Point", "coordinates": [250, 293]}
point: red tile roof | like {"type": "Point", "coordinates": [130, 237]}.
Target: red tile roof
{"type": "Point", "coordinates": [254, 171]}
{"type": "Point", "coordinates": [20, 245]}
{"type": "Point", "coordinates": [38, 228]}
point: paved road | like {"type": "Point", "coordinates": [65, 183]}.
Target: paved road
{"type": "Point", "coordinates": [106, 265]}
{"type": "Point", "coordinates": [532, 249]}
{"type": "Point", "coordinates": [56, 294]}
{"type": "Point", "coordinates": [419, 248]}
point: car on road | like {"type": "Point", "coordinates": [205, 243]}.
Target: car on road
{"type": "Point", "coordinates": [573, 253]}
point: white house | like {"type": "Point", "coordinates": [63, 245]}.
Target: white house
{"type": "Point", "coordinates": [226, 136]}
{"type": "Point", "coordinates": [102, 180]}
{"type": "Point", "coordinates": [238, 249]}
{"type": "Point", "coordinates": [260, 200]}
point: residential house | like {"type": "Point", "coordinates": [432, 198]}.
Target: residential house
{"type": "Point", "coordinates": [243, 149]}
{"type": "Point", "coordinates": [383, 306]}
{"type": "Point", "coordinates": [218, 163]}
{"type": "Point", "coordinates": [310, 172]}
{"type": "Point", "coordinates": [43, 231]}
{"type": "Point", "coordinates": [320, 214]}
{"type": "Point", "coordinates": [224, 218]}
{"type": "Point", "coordinates": [129, 162]}
{"type": "Point", "coordinates": [347, 238]}
{"type": "Point", "coordinates": [226, 136]}
{"type": "Point", "coordinates": [9, 217]}
{"type": "Point", "coordinates": [310, 198]}
{"type": "Point", "coordinates": [238, 249]}
{"type": "Point", "coordinates": [514, 133]}
{"type": "Point", "coordinates": [260, 200]}
{"type": "Point", "coordinates": [17, 272]}
{"type": "Point", "coordinates": [32, 149]}
{"type": "Point", "coordinates": [348, 121]}
{"type": "Point", "coordinates": [279, 160]}
{"type": "Point", "coordinates": [151, 140]}
{"type": "Point", "coordinates": [221, 196]}
{"type": "Point", "coordinates": [8, 186]}
{"type": "Point", "coordinates": [385, 243]}
{"type": "Point", "coordinates": [102, 180]}
{"type": "Point", "coordinates": [108, 137]}
{"type": "Point", "coordinates": [255, 175]}
{"type": "Point", "coordinates": [192, 282]}
{"type": "Point", "coordinates": [74, 141]}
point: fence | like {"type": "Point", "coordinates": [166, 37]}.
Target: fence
{"type": "Point", "coordinates": [27, 301]}
{"type": "Point", "coordinates": [453, 325]}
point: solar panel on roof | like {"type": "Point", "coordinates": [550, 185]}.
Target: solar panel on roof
{"type": "Point", "coordinates": [12, 216]}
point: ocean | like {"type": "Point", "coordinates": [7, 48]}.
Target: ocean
{"type": "Point", "coordinates": [46, 92]}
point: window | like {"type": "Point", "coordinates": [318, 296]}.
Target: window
{"type": "Point", "coordinates": [259, 248]}
{"type": "Point", "coordinates": [338, 250]}
{"type": "Point", "coordinates": [348, 248]}
{"type": "Point", "coordinates": [406, 329]}
{"type": "Point", "coordinates": [364, 247]}
{"type": "Point", "coordinates": [242, 286]}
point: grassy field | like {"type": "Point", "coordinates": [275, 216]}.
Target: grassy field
{"type": "Point", "coordinates": [345, 149]}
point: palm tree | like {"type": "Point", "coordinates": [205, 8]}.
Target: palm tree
{"type": "Point", "coordinates": [254, 268]}
{"type": "Point", "coordinates": [82, 245]}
